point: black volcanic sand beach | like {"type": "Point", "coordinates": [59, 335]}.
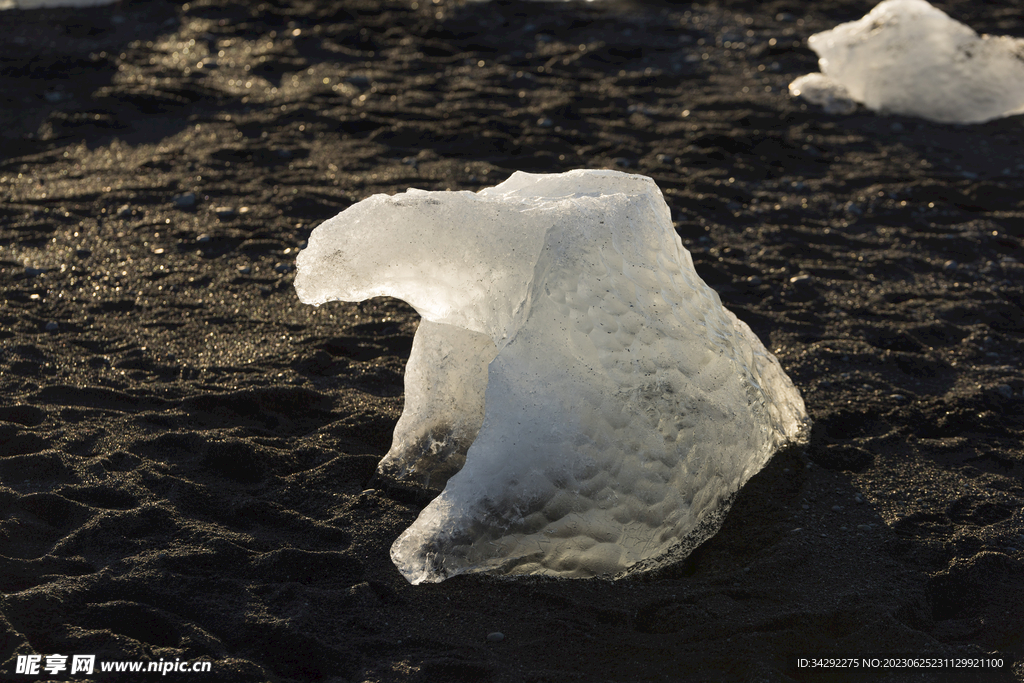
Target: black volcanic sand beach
{"type": "Point", "coordinates": [187, 452]}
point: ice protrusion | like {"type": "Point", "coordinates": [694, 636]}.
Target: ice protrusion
{"type": "Point", "coordinates": [585, 398]}
{"type": "Point", "coordinates": [908, 57]}
{"type": "Point", "coordinates": [819, 89]}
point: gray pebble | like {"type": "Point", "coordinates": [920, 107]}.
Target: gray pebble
{"type": "Point", "coordinates": [950, 265]}
{"type": "Point", "coordinates": [358, 81]}
{"type": "Point", "coordinates": [283, 267]}
{"type": "Point", "coordinates": [52, 326]}
{"type": "Point", "coordinates": [33, 272]}
{"type": "Point", "coordinates": [1004, 390]}
{"type": "Point", "coordinates": [225, 212]}
{"type": "Point", "coordinates": [545, 122]}
{"type": "Point", "coordinates": [495, 637]}
{"type": "Point", "coordinates": [622, 162]}
{"type": "Point", "coordinates": [898, 398]}
{"type": "Point", "coordinates": [185, 201]}
{"type": "Point", "coordinates": [837, 508]}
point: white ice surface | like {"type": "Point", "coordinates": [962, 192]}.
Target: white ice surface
{"type": "Point", "coordinates": [609, 403]}
{"type": "Point", "coordinates": [908, 57]}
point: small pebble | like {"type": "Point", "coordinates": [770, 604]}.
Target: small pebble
{"type": "Point", "coordinates": [52, 326]}
{"type": "Point", "coordinates": [858, 499]}
{"type": "Point", "coordinates": [125, 211]}
{"type": "Point", "coordinates": [622, 162]}
{"type": "Point", "coordinates": [800, 280]}
{"type": "Point", "coordinates": [203, 239]}
{"type": "Point", "coordinates": [805, 506]}
{"type": "Point", "coordinates": [837, 508]}
{"type": "Point", "coordinates": [545, 122]}
{"type": "Point", "coordinates": [754, 280]}
{"type": "Point", "coordinates": [185, 201]}
{"type": "Point", "coordinates": [244, 269]}
{"type": "Point", "coordinates": [1004, 390]}
{"type": "Point", "coordinates": [950, 265]}
{"type": "Point", "coordinates": [223, 212]}
{"type": "Point", "coordinates": [898, 398]}
{"type": "Point", "coordinates": [283, 267]}
{"type": "Point", "coordinates": [33, 272]}
{"type": "Point", "coordinates": [495, 637]}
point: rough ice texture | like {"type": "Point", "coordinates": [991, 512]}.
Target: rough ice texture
{"type": "Point", "coordinates": [908, 57]}
{"type": "Point", "coordinates": [585, 399]}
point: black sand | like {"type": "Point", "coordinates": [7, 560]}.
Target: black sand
{"type": "Point", "coordinates": [185, 448]}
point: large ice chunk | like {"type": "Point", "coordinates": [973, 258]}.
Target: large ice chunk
{"type": "Point", "coordinates": [908, 57]}
{"type": "Point", "coordinates": [585, 398]}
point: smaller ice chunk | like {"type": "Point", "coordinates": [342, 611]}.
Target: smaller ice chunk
{"type": "Point", "coordinates": [908, 57]}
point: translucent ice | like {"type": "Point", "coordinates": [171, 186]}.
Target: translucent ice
{"type": "Point", "coordinates": [585, 399]}
{"type": "Point", "coordinates": [908, 57]}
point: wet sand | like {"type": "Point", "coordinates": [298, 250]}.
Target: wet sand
{"type": "Point", "coordinates": [186, 451]}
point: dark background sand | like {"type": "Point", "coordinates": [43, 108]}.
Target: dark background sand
{"type": "Point", "coordinates": [185, 448]}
